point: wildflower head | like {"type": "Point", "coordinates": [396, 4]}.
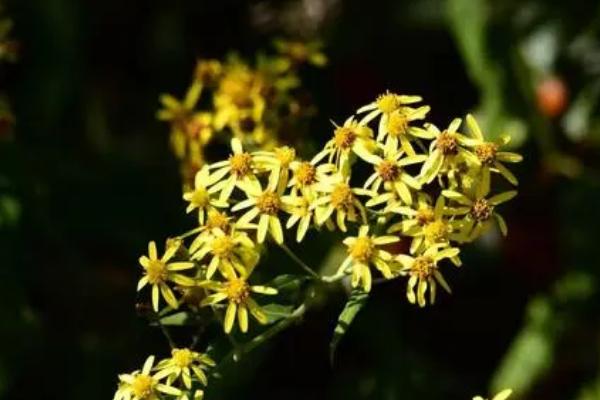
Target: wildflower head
{"type": "Point", "coordinates": [285, 155]}
{"type": "Point", "coordinates": [222, 246]}
{"type": "Point", "coordinates": [387, 102]}
{"type": "Point", "coordinates": [200, 197]}
{"type": "Point", "coordinates": [423, 267]}
{"type": "Point", "coordinates": [362, 249]}
{"type": "Point", "coordinates": [306, 174]}
{"type": "Point", "coordinates": [341, 196]}
{"type": "Point", "coordinates": [268, 203]}
{"type": "Point", "coordinates": [436, 231]}
{"type": "Point", "coordinates": [344, 137]}
{"type": "Point", "coordinates": [208, 71]}
{"type": "Point", "coordinates": [481, 210]}
{"type": "Point", "coordinates": [397, 124]}
{"type": "Point", "coordinates": [447, 144]}
{"type": "Point", "coordinates": [388, 170]}
{"type": "Point", "coordinates": [241, 164]}
{"type": "Point", "coordinates": [425, 215]}
{"type": "Point", "coordinates": [156, 271]}
{"type": "Point", "coordinates": [182, 357]}
{"type": "Point", "coordinates": [217, 219]}
{"type": "Point", "coordinates": [237, 290]}
{"type": "Point", "coordinates": [142, 386]}
{"type": "Point", "coordinates": [486, 152]}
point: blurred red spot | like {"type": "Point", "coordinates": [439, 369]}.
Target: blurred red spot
{"type": "Point", "coordinates": [552, 96]}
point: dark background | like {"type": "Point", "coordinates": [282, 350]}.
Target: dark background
{"type": "Point", "coordinates": [95, 180]}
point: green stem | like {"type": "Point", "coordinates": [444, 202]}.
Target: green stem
{"type": "Point", "coordinates": [190, 233]}
{"type": "Point", "coordinates": [299, 261]}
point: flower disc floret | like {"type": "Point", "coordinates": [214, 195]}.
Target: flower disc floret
{"type": "Point", "coordinates": [237, 290]}
{"type": "Point", "coordinates": [306, 174]}
{"type": "Point", "coordinates": [344, 137]}
{"type": "Point", "coordinates": [447, 143]}
{"type": "Point", "coordinates": [362, 249]}
{"type": "Point", "coordinates": [397, 124]}
{"type": "Point", "coordinates": [342, 196]}
{"type": "Point", "coordinates": [481, 210]}
{"type": "Point", "coordinates": [387, 102]}
{"type": "Point", "coordinates": [241, 164]}
{"type": "Point", "coordinates": [388, 170]}
{"type": "Point", "coordinates": [423, 267]}
{"type": "Point", "coordinates": [486, 153]}
{"type": "Point", "coordinates": [142, 386]}
{"type": "Point", "coordinates": [268, 203]}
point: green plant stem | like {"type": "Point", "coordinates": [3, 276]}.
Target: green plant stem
{"type": "Point", "coordinates": [299, 261]}
{"type": "Point", "coordinates": [190, 233]}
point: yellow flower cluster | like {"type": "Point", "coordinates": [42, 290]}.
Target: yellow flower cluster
{"type": "Point", "coordinates": [234, 99]}
{"type": "Point", "coordinates": [427, 192]}
{"type": "Point", "coordinates": [178, 376]}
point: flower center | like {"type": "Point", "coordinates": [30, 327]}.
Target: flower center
{"type": "Point", "coordinates": [486, 152]}
{"type": "Point", "coordinates": [208, 71]}
{"type": "Point", "coordinates": [425, 215]}
{"type": "Point", "coordinates": [200, 197]}
{"type": "Point", "coordinates": [156, 271]}
{"type": "Point", "coordinates": [388, 170]}
{"type": "Point", "coordinates": [268, 203]}
{"type": "Point", "coordinates": [237, 290]}
{"type": "Point", "coordinates": [481, 210]}
{"type": "Point", "coordinates": [344, 137]}
{"type": "Point", "coordinates": [423, 267]}
{"type": "Point", "coordinates": [285, 155]}
{"type": "Point", "coordinates": [306, 174]}
{"type": "Point", "coordinates": [143, 386]}
{"type": "Point", "coordinates": [387, 103]}
{"type": "Point", "coordinates": [240, 164]}
{"type": "Point", "coordinates": [217, 219]}
{"type": "Point", "coordinates": [362, 249]}
{"type": "Point", "coordinates": [446, 143]}
{"type": "Point", "coordinates": [436, 231]}
{"type": "Point", "coordinates": [182, 357]}
{"type": "Point", "coordinates": [341, 196]}
{"type": "Point", "coordinates": [397, 124]}
{"type": "Point", "coordinates": [222, 246]}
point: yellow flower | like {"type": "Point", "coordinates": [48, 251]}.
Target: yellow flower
{"type": "Point", "coordinates": [159, 271]}
{"type": "Point", "coordinates": [488, 154]}
{"type": "Point", "coordinates": [337, 195]}
{"type": "Point", "coordinates": [142, 385]}
{"type": "Point", "coordinates": [444, 150]}
{"type": "Point", "coordinates": [306, 174]}
{"type": "Point", "coordinates": [182, 364]}
{"type": "Point", "coordinates": [300, 213]}
{"type": "Point", "coordinates": [199, 198]}
{"type": "Point", "coordinates": [395, 128]}
{"type": "Point", "coordinates": [175, 110]}
{"type": "Point", "coordinates": [479, 210]}
{"type": "Point", "coordinates": [228, 251]}
{"type": "Point", "coordinates": [240, 168]}
{"type": "Point", "coordinates": [389, 172]}
{"type": "Point", "coordinates": [424, 273]}
{"type": "Point", "coordinates": [265, 205]}
{"type": "Point", "coordinates": [428, 226]}
{"type": "Point", "coordinates": [351, 137]}
{"type": "Point", "coordinates": [384, 105]}
{"type": "Point", "coordinates": [503, 395]}
{"type": "Point", "coordinates": [208, 71]}
{"type": "Point", "coordinates": [364, 251]}
{"type": "Point", "coordinates": [277, 162]}
{"type": "Point", "coordinates": [237, 292]}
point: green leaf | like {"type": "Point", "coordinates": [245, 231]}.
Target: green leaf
{"type": "Point", "coordinates": [177, 319]}
{"type": "Point", "coordinates": [355, 303]}
{"type": "Point", "coordinates": [276, 312]}
{"type": "Point", "coordinates": [287, 282]}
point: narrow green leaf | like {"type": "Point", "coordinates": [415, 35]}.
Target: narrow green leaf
{"type": "Point", "coordinates": [355, 303]}
{"type": "Point", "coordinates": [177, 319]}
{"type": "Point", "coordinates": [287, 282]}
{"type": "Point", "coordinates": [275, 312]}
